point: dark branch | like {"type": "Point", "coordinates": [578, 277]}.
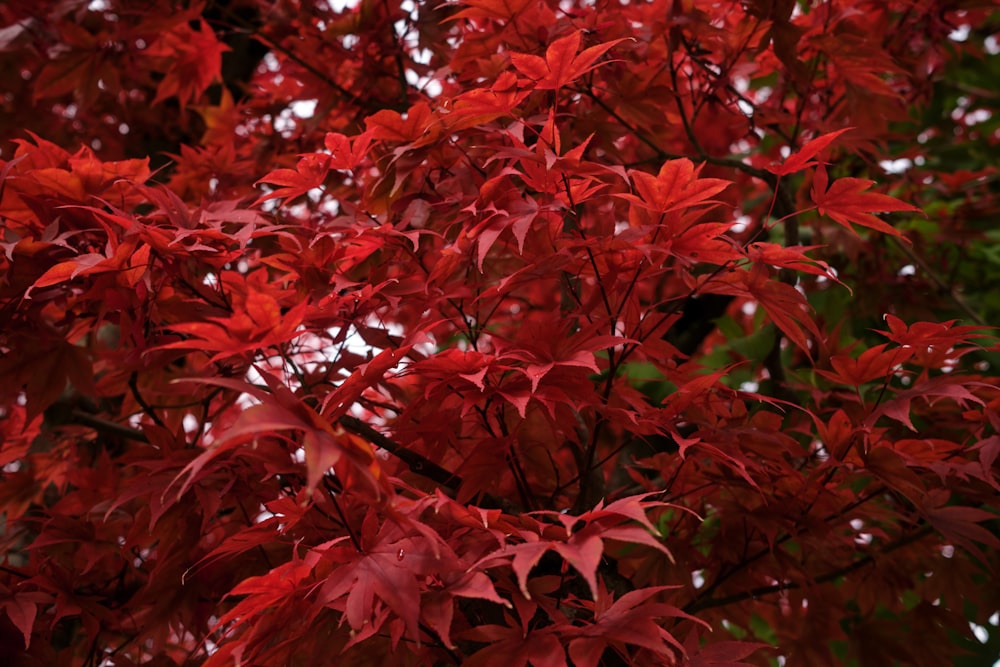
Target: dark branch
{"type": "Point", "coordinates": [417, 463]}
{"type": "Point", "coordinates": [707, 603]}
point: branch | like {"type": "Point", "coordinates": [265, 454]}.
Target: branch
{"type": "Point", "coordinates": [417, 463]}
{"type": "Point", "coordinates": [942, 285]}
{"type": "Point", "coordinates": [15, 572]}
{"type": "Point", "coordinates": [708, 603]}
{"type": "Point", "coordinates": [133, 385]}
{"type": "Point", "coordinates": [324, 77]}
{"type": "Point", "coordinates": [105, 427]}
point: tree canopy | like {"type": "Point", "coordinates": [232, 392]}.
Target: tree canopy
{"type": "Point", "coordinates": [499, 332]}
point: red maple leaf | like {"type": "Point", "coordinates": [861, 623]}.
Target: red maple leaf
{"type": "Point", "coordinates": [677, 186]}
{"type": "Point", "coordinates": [309, 174]}
{"type": "Point", "coordinates": [631, 619]}
{"type": "Point", "coordinates": [804, 157]}
{"type": "Point", "coordinates": [847, 201]}
{"type": "Point", "coordinates": [195, 61]}
{"type": "Point", "coordinates": [561, 64]}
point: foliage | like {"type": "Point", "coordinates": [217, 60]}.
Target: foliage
{"type": "Point", "coordinates": [499, 332]}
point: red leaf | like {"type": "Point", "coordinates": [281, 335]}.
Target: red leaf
{"type": "Point", "coordinates": [280, 411]}
{"type": "Point", "coordinates": [509, 647]}
{"type": "Point", "coordinates": [631, 619]}
{"type": "Point", "coordinates": [942, 386]}
{"type": "Point", "coordinates": [561, 65]}
{"type": "Point", "coordinates": [64, 271]}
{"type": "Point", "coordinates": [418, 126]}
{"type": "Point", "coordinates": [195, 58]}
{"type": "Point", "coordinates": [676, 186]}
{"type": "Point", "coordinates": [846, 202]}
{"type": "Point", "coordinates": [873, 364]}
{"type": "Point", "coordinates": [961, 526]}
{"type": "Point", "coordinates": [922, 335]}
{"type": "Point", "coordinates": [804, 158]}
{"type": "Point", "coordinates": [480, 106]}
{"type": "Point", "coordinates": [21, 609]}
{"type": "Point", "coordinates": [392, 569]}
{"type": "Point", "coordinates": [364, 376]}
{"type": "Point", "coordinates": [345, 153]}
{"type": "Point", "coordinates": [722, 654]}
{"type": "Point", "coordinates": [309, 174]}
{"type": "Point", "coordinates": [791, 257]}
{"type": "Point", "coordinates": [492, 9]}
{"type": "Point", "coordinates": [786, 306]}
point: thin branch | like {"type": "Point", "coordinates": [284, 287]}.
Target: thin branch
{"type": "Point", "coordinates": [252, 30]}
{"type": "Point", "coordinates": [417, 463]}
{"type": "Point", "coordinates": [10, 570]}
{"type": "Point", "coordinates": [343, 517]}
{"type": "Point", "coordinates": [133, 385]}
{"type": "Point", "coordinates": [707, 603]}
{"type": "Point", "coordinates": [955, 297]}
{"type": "Point", "coordinates": [106, 427]}
{"type": "Point", "coordinates": [514, 462]}
{"type": "Point", "coordinates": [732, 163]}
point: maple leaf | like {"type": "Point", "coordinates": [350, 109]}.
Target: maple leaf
{"type": "Point", "coordinates": [804, 157]}
{"type": "Point", "coordinates": [630, 619]}
{"type": "Point", "coordinates": [309, 174]}
{"type": "Point", "coordinates": [927, 334]}
{"type": "Point", "coordinates": [544, 346]}
{"type": "Point", "coordinates": [392, 569]}
{"type": "Point", "coordinates": [481, 106]}
{"type": "Point", "coordinates": [720, 653]}
{"type": "Point", "coordinates": [195, 58]}
{"type": "Point", "coordinates": [942, 386]}
{"type": "Point", "coordinates": [874, 363]}
{"type": "Point", "coordinates": [21, 608]}
{"type": "Point", "coordinates": [960, 525]}
{"type": "Point", "coordinates": [220, 119]}
{"type": "Point", "coordinates": [416, 127]}
{"type": "Point", "coordinates": [365, 375]}
{"type": "Point", "coordinates": [510, 647]}
{"type": "Point", "coordinates": [78, 65]}
{"type": "Point", "coordinates": [677, 186]}
{"type": "Point", "coordinates": [517, 216]}
{"type": "Point", "coordinates": [786, 306]}
{"type": "Point", "coordinates": [501, 315]}
{"type": "Point", "coordinates": [561, 65]}
{"type": "Point", "coordinates": [44, 368]}
{"type": "Point", "coordinates": [791, 257]}
{"type": "Point", "coordinates": [491, 9]}
{"type": "Point", "coordinates": [347, 153]}
{"type": "Point", "coordinates": [273, 589]}
{"type": "Point", "coordinates": [582, 548]}
{"type": "Point", "coordinates": [259, 325]}
{"type": "Point", "coordinates": [324, 445]}
{"type": "Point", "coordinates": [379, 573]}
{"type": "Point", "coordinates": [846, 201]}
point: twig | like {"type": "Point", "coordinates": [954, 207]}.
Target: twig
{"type": "Point", "coordinates": [956, 298]}
{"type": "Point", "coordinates": [107, 427]}
{"type": "Point", "coordinates": [417, 463]}
{"type": "Point", "coordinates": [708, 603]}
{"type": "Point", "coordinates": [133, 385]}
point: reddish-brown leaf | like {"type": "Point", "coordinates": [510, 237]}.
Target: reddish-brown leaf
{"type": "Point", "coordinates": [677, 186]}
{"type": "Point", "coordinates": [561, 65]}
{"type": "Point", "coordinates": [847, 201]}
{"type": "Point", "coordinates": [803, 159]}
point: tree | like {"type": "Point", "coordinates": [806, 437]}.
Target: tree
{"type": "Point", "coordinates": [499, 333]}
